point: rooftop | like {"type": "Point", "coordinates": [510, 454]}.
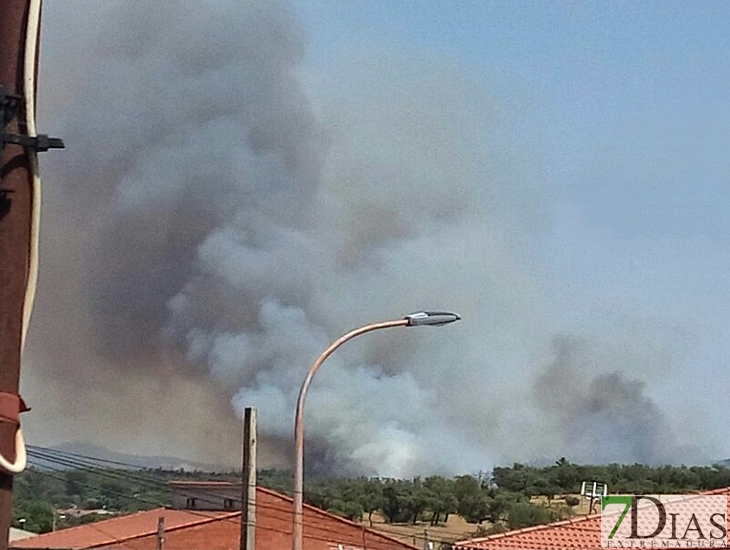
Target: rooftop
{"type": "Point", "coordinates": [218, 530]}
{"type": "Point", "coordinates": [575, 533]}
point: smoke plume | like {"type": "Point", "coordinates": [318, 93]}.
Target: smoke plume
{"type": "Point", "coordinates": [606, 411]}
{"type": "Point", "coordinates": [215, 223]}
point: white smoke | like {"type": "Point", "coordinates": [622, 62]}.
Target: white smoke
{"type": "Point", "coordinates": [229, 229]}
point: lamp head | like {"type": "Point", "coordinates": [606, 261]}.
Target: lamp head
{"type": "Point", "coordinates": [433, 318]}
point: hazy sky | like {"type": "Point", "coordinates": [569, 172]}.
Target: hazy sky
{"type": "Point", "coordinates": [596, 196]}
{"type": "Point", "coordinates": [622, 110]}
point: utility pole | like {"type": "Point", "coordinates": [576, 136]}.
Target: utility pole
{"type": "Point", "coordinates": [248, 481]}
{"type": "Point", "coordinates": [161, 533]}
{"type": "Point", "coordinates": [19, 220]}
{"type": "Point", "coordinates": [16, 195]}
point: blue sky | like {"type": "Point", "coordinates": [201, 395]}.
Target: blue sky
{"type": "Point", "coordinates": [623, 108]}
{"type": "Point", "coordinates": [624, 102]}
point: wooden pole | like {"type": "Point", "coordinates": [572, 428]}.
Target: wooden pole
{"type": "Point", "coordinates": [160, 533]}
{"type": "Point", "coordinates": [16, 195]}
{"type": "Point", "coordinates": [248, 481]}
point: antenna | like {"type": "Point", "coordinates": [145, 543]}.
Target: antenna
{"type": "Point", "coordinates": [594, 490]}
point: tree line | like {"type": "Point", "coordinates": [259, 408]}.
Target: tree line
{"type": "Point", "coordinates": [504, 498]}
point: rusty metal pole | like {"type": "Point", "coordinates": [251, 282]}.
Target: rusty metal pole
{"type": "Point", "coordinates": [15, 239]}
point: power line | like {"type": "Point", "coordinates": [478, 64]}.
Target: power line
{"type": "Point", "coordinates": [86, 463]}
{"type": "Point", "coordinates": [114, 474]}
{"type": "Point", "coordinates": [200, 514]}
{"type": "Point", "coordinates": [83, 465]}
{"type": "Point", "coordinates": [88, 486]}
{"type": "Point", "coordinates": [91, 464]}
{"type": "Point", "coordinates": [232, 520]}
{"type": "Point", "coordinates": [92, 458]}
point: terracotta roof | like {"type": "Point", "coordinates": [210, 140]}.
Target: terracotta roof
{"type": "Point", "coordinates": [575, 533]}
{"type": "Point", "coordinates": [119, 528]}
{"type": "Point", "coordinates": [193, 530]}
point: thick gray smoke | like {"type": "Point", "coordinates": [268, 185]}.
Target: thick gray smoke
{"type": "Point", "coordinates": [606, 412]}
{"type": "Point", "coordinates": [207, 235]}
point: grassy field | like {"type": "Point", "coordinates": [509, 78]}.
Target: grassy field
{"type": "Point", "coordinates": [455, 529]}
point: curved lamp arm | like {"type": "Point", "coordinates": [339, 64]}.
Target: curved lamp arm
{"type": "Point", "coordinates": [299, 420]}
{"type": "Point", "coordinates": [420, 318]}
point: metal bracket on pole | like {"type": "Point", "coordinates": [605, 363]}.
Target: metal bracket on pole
{"type": "Point", "coordinates": [9, 107]}
{"type": "Point", "coordinates": [4, 202]}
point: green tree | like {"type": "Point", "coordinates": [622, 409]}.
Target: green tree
{"type": "Point", "coordinates": [565, 475]}
{"type": "Point", "coordinates": [370, 496]}
{"type": "Point", "coordinates": [37, 516]}
{"type": "Point", "coordinates": [524, 514]}
{"type": "Point", "coordinates": [502, 502]}
{"type": "Point", "coordinates": [77, 484]}
{"type": "Point", "coordinates": [475, 508]}
{"type": "Point", "coordinates": [472, 498]}
{"type": "Point", "coordinates": [418, 499]}
{"type": "Point", "coordinates": [395, 494]}
{"type": "Point", "coordinates": [346, 508]}
{"type": "Point", "coordinates": [443, 500]}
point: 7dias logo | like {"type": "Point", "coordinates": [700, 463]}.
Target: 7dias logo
{"type": "Point", "coordinates": [664, 521]}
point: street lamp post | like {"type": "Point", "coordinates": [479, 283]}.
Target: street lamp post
{"type": "Point", "coordinates": [421, 318]}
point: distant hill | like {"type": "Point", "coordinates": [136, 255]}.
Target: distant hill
{"type": "Point", "coordinates": [136, 461]}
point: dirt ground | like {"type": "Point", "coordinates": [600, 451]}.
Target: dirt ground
{"type": "Point", "coordinates": [455, 529]}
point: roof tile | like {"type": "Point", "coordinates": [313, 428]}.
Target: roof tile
{"type": "Point", "coordinates": [218, 530]}
{"type": "Point", "coordinates": [575, 533]}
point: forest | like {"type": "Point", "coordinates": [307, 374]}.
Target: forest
{"type": "Point", "coordinates": [62, 489]}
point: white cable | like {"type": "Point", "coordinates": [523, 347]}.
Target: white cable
{"type": "Point", "coordinates": [29, 91]}
{"type": "Point", "coordinates": [21, 457]}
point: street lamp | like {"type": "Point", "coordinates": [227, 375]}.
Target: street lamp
{"type": "Point", "coordinates": [421, 318]}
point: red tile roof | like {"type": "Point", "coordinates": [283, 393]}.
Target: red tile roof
{"type": "Point", "coordinates": [218, 530]}
{"type": "Point", "coordinates": [575, 533]}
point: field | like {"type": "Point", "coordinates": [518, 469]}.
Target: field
{"type": "Point", "coordinates": [455, 529]}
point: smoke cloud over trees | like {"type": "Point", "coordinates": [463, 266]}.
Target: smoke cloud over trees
{"type": "Point", "coordinates": [216, 221]}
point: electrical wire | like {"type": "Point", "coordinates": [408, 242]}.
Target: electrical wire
{"type": "Point", "coordinates": [21, 457]}
{"type": "Point", "coordinates": [67, 463]}
{"type": "Point", "coordinates": [431, 537]}
{"type": "Point", "coordinates": [89, 486]}
{"type": "Point", "coordinates": [30, 67]}
{"type": "Point", "coordinates": [75, 460]}
{"type": "Point", "coordinates": [71, 462]}
{"type": "Point", "coordinates": [116, 475]}
{"type": "Point", "coordinates": [370, 546]}
{"type": "Point", "coordinates": [89, 458]}
{"type": "Point", "coordinates": [49, 455]}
